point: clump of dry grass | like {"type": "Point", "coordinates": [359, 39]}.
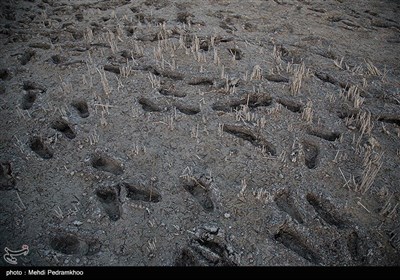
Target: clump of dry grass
{"type": "Point", "coordinates": [112, 41]}
{"type": "Point", "coordinates": [299, 73]}
{"type": "Point", "coordinates": [245, 115]}
{"type": "Point", "coordinates": [154, 80]}
{"type": "Point", "coordinates": [365, 125]}
{"type": "Point", "coordinates": [243, 187]}
{"type": "Point", "coordinates": [372, 163]}
{"type": "Point", "coordinates": [353, 95]}
{"type": "Point", "coordinates": [126, 71]}
{"type": "Point", "coordinates": [263, 195]}
{"type": "Point", "coordinates": [277, 56]}
{"type": "Point", "coordinates": [390, 207]}
{"type": "Point", "coordinates": [307, 113]}
{"type": "Point", "coordinates": [339, 63]}
{"type": "Point", "coordinates": [372, 69]}
{"type": "Point", "coordinates": [257, 73]}
{"type": "Point", "coordinates": [104, 81]}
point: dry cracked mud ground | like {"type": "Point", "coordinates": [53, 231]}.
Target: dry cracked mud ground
{"type": "Point", "coordinates": [163, 133]}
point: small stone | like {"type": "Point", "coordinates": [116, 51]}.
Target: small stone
{"type": "Point", "coordinates": [77, 223]}
{"type": "Point", "coordinates": [227, 215]}
{"type": "Point", "coordinates": [66, 261]}
{"type": "Point", "coordinates": [211, 228]}
{"type": "Point", "coordinates": [77, 260]}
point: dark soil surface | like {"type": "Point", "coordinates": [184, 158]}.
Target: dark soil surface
{"type": "Point", "coordinates": [216, 133]}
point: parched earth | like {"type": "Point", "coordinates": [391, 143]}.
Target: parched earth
{"type": "Point", "coordinates": [163, 133]}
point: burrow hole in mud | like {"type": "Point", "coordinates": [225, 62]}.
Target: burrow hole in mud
{"type": "Point", "coordinates": [170, 92]}
{"type": "Point", "coordinates": [28, 100]}
{"type": "Point", "coordinates": [107, 164]}
{"type": "Point", "coordinates": [252, 101]}
{"type": "Point", "coordinates": [82, 107]}
{"type": "Point", "coordinates": [355, 245]}
{"type": "Point", "coordinates": [326, 78]}
{"type": "Point", "coordinates": [26, 56]}
{"type": "Point", "coordinates": [201, 81]}
{"type": "Point", "coordinates": [107, 195]}
{"type": "Point", "coordinates": [187, 110]}
{"type": "Point", "coordinates": [184, 17]}
{"type": "Point", "coordinates": [57, 59]}
{"type": "Point", "coordinates": [240, 132]}
{"type": "Point", "coordinates": [148, 105]}
{"type": "Point", "coordinates": [143, 194]}
{"type": "Point", "coordinates": [109, 198]}
{"type": "Point", "coordinates": [173, 75]}
{"type": "Point", "coordinates": [236, 53]}
{"type": "Point", "coordinates": [63, 127]}
{"type": "Point", "coordinates": [29, 85]}
{"type": "Point", "coordinates": [186, 258]}
{"type": "Point", "coordinates": [68, 244]}
{"type": "Point", "coordinates": [5, 74]}
{"type": "Point", "coordinates": [291, 105]}
{"type": "Point", "coordinates": [323, 133]}
{"type": "Point", "coordinates": [390, 119]}
{"type": "Point", "coordinates": [213, 246]}
{"type": "Point", "coordinates": [276, 78]}
{"type": "Point", "coordinates": [311, 152]}
{"type": "Point", "coordinates": [7, 180]}
{"type": "Point", "coordinates": [246, 134]}
{"type": "Point", "coordinates": [286, 203]}
{"type": "Point", "coordinates": [326, 210]}
{"type": "Point", "coordinates": [200, 193]}
{"type": "Point", "coordinates": [36, 144]}
{"type": "Point", "coordinates": [295, 243]}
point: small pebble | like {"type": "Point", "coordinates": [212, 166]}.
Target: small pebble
{"type": "Point", "coordinates": [211, 228]}
{"type": "Point", "coordinates": [77, 223]}
{"type": "Point", "coordinates": [227, 215]}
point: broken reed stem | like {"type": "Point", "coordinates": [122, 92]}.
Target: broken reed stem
{"type": "Point", "coordinates": [20, 200]}
{"type": "Point", "coordinates": [363, 206]}
{"type": "Point", "coordinates": [104, 81]}
{"type": "Point", "coordinates": [345, 180]}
